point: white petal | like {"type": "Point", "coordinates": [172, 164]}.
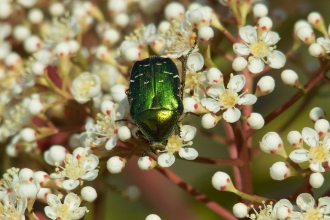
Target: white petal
{"type": "Point", "coordinates": [195, 62]}
{"type": "Point", "coordinates": [248, 34]}
{"type": "Point", "coordinates": [188, 132]}
{"type": "Point", "coordinates": [256, 65]}
{"type": "Point", "coordinates": [316, 167]}
{"type": "Point", "coordinates": [241, 49]}
{"type": "Point", "coordinates": [324, 204]}
{"type": "Point", "coordinates": [50, 213]}
{"type": "Point", "coordinates": [70, 184]}
{"type": "Point", "coordinates": [276, 59]}
{"type": "Point", "coordinates": [310, 136]}
{"type": "Point", "coordinates": [247, 99]}
{"type": "Point", "coordinates": [237, 82]}
{"type": "Point", "coordinates": [270, 37]}
{"type": "Point", "coordinates": [111, 143]}
{"type": "Point", "coordinates": [93, 162]}
{"type": "Point", "coordinates": [211, 104]}
{"type": "Point", "coordinates": [231, 115]}
{"type": "Point", "coordinates": [215, 91]}
{"type": "Point", "coordinates": [304, 201]}
{"type": "Point", "coordinates": [188, 153]}
{"type": "Point", "coordinates": [79, 213]}
{"type": "Point", "coordinates": [326, 141]}
{"type": "Point", "coordinates": [72, 200]}
{"type": "Point", "coordinates": [166, 160]}
{"type": "Point", "coordinates": [299, 155]}
{"type": "Point", "coordinates": [91, 175]}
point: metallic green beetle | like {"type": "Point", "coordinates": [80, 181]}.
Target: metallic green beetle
{"type": "Point", "coordinates": [155, 97]}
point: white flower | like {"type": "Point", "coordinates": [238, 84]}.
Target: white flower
{"type": "Point", "coordinates": [318, 152]}
{"type": "Point", "coordinates": [7, 183]}
{"type": "Point", "coordinates": [13, 208]}
{"type": "Point", "coordinates": [69, 210]}
{"type": "Point", "coordinates": [78, 166]}
{"type": "Point", "coordinates": [195, 81]}
{"type": "Point", "coordinates": [308, 207]}
{"type": "Point", "coordinates": [85, 87]}
{"type": "Point", "coordinates": [176, 143]}
{"type": "Point", "coordinates": [227, 99]}
{"type": "Point", "coordinates": [179, 39]}
{"type": "Point", "coordinates": [106, 128]}
{"type": "Point", "coordinates": [261, 49]}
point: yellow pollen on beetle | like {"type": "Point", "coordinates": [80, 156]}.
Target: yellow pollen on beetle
{"type": "Point", "coordinates": [259, 49]}
{"type": "Point", "coordinates": [319, 153]}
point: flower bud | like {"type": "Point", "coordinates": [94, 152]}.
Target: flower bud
{"type": "Point", "coordinates": [42, 194]}
{"type": "Point", "coordinates": [316, 114]}
{"type": "Point", "coordinates": [35, 16]}
{"type": "Point", "coordinates": [174, 10]}
{"type": "Point", "coordinates": [214, 76]}
{"type": "Point", "coordinates": [255, 121]}
{"type": "Point", "coordinates": [300, 23]}
{"type": "Point", "coordinates": [115, 7]}
{"type": "Point", "coordinates": [210, 120]}
{"type": "Point", "coordinates": [13, 60]}
{"type": "Point", "coordinates": [122, 20]}
{"type": "Point", "coordinates": [37, 68]}
{"type": "Point", "coordinates": [55, 154]}
{"type": "Point", "coordinates": [164, 26]}
{"type": "Point", "coordinates": [62, 50]}
{"type": "Point", "coordinates": [240, 210]}
{"type": "Point", "coordinates": [239, 64]}
{"type": "Point", "coordinates": [259, 10]}
{"type": "Point", "coordinates": [118, 92]}
{"type": "Point", "coordinates": [6, 9]}
{"type": "Point", "coordinates": [321, 127]}
{"type": "Point", "coordinates": [26, 174]}
{"type": "Point", "coordinates": [283, 212]}
{"type": "Point", "coordinates": [111, 36]}
{"type": "Point", "coordinates": [28, 134]}
{"type": "Point", "coordinates": [289, 77]}
{"type": "Point", "coordinates": [41, 177]}
{"type": "Point", "coordinates": [192, 105]}
{"type": "Point", "coordinates": [153, 217]}
{"type": "Point", "coordinates": [316, 20]}
{"type": "Point", "coordinates": [295, 139]}
{"type": "Point", "coordinates": [27, 3]}
{"type": "Point", "coordinates": [279, 171]}
{"type": "Point", "coordinates": [221, 181]}
{"type": "Point", "coordinates": [21, 32]}
{"type": "Point", "coordinates": [265, 24]}
{"type": "Point", "coordinates": [27, 189]}
{"type": "Point", "coordinates": [205, 34]}
{"type": "Point", "coordinates": [74, 46]}
{"type": "Point", "coordinates": [146, 163]}
{"type": "Point", "coordinates": [116, 164]}
{"type": "Point", "coordinates": [124, 133]}
{"type": "Point", "coordinates": [265, 85]}
{"type": "Point", "coordinates": [316, 180]}
{"type": "Point", "coordinates": [132, 54]}
{"type": "Point", "coordinates": [36, 106]}
{"type": "Point", "coordinates": [56, 9]}
{"type": "Point", "coordinates": [88, 194]}
{"type": "Point", "coordinates": [306, 35]}
{"type": "Point", "coordinates": [107, 107]}
{"type": "Point", "coordinates": [166, 160]}
{"type": "Point", "coordinates": [316, 50]}
{"type": "Point", "coordinates": [272, 143]}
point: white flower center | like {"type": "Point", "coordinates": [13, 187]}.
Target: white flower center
{"type": "Point", "coordinates": [259, 49]}
{"type": "Point", "coordinates": [229, 98]}
{"type": "Point", "coordinates": [312, 213]}
{"type": "Point", "coordinates": [174, 144]}
{"type": "Point", "coordinates": [192, 82]}
{"type": "Point", "coordinates": [63, 212]}
{"type": "Point", "coordinates": [319, 153]}
{"type": "Point", "coordinates": [86, 82]}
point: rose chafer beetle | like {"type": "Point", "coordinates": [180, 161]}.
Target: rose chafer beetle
{"type": "Point", "coordinates": [155, 96]}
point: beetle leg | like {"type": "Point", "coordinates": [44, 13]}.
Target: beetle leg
{"type": "Point", "coordinates": [126, 120]}
{"type": "Point", "coordinates": [129, 96]}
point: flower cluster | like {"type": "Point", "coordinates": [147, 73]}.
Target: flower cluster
{"type": "Point", "coordinates": [91, 87]}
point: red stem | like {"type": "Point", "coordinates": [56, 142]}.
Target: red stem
{"type": "Point", "coordinates": [198, 196]}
